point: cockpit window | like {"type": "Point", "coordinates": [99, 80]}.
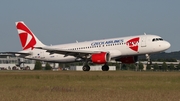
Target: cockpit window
{"type": "Point", "coordinates": [161, 39]}
{"type": "Point", "coordinates": [157, 39]}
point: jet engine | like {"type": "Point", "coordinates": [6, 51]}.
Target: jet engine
{"type": "Point", "coordinates": [128, 59]}
{"type": "Point", "coordinates": [100, 58]}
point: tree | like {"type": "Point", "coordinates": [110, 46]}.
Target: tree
{"type": "Point", "coordinates": [171, 67]}
{"type": "Point", "coordinates": [171, 60]}
{"type": "Point", "coordinates": [148, 67]}
{"type": "Point", "coordinates": [178, 66]}
{"type": "Point", "coordinates": [124, 67]}
{"type": "Point", "coordinates": [141, 66]}
{"type": "Point", "coordinates": [160, 60]}
{"type": "Point", "coordinates": [48, 67]}
{"type": "Point", "coordinates": [132, 66]}
{"type": "Point", "coordinates": [156, 67]}
{"type": "Point", "coordinates": [38, 65]}
{"type": "Point", "coordinates": [164, 66]}
{"type": "Point", "coordinates": [118, 66]}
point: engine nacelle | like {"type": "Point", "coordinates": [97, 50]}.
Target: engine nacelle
{"type": "Point", "coordinates": [100, 58]}
{"type": "Point", "coordinates": [128, 59]}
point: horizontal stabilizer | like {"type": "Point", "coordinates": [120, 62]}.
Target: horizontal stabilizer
{"type": "Point", "coordinates": [20, 53]}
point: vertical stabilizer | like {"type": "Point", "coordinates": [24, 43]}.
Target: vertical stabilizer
{"type": "Point", "coordinates": [27, 38]}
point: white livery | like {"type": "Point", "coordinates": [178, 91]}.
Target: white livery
{"type": "Point", "coordinates": [124, 49]}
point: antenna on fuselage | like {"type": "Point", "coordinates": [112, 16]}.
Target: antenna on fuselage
{"type": "Point", "coordinates": [76, 41]}
{"type": "Point", "coordinates": [144, 33]}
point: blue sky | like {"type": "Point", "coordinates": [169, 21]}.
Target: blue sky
{"type": "Point", "coordinates": [65, 21]}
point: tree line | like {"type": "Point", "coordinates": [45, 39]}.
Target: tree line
{"type": "Point", "coordinates": [38, 66]}
{"type": "Point", "coordinates": [135, 67]}
{"type": "Point", "coordinates": [149, 67]}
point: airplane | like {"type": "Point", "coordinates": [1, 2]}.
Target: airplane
{"type": "Point", "coordinates": [123, 49]}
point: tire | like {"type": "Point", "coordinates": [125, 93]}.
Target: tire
{"type": "Point", "coordinates": [105, 68]}
{"type": "Point", "coordinates": [86, 68]}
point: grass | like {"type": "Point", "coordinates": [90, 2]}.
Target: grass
{"type": "Point", "coordinates": [89, 86]}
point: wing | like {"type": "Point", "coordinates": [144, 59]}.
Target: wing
{"type": "Point", "coordinates": [65, 52]}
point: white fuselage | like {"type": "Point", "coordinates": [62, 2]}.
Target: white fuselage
{"type": "Point", "coordinates": [117, 47]}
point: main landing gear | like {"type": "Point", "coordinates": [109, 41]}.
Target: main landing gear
{"type": "Point", "coordinates": [86, 67]}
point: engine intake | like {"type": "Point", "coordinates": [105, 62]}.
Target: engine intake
{"type": "Point", "coordinates": [100, 58]}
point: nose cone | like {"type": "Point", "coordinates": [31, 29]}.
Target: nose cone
{"type": "Point", "coordinates": [167, 45]}
{"type": "Point", "coordinates": [160, 46]}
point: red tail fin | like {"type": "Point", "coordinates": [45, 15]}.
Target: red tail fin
{"type": "Point", "coordinates": [27, 38]}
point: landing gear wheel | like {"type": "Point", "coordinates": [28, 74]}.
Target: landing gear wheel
{"type": "Point", "coordinates": [86, 68]}
{"type": "Point", "coordinates": [105, 68]}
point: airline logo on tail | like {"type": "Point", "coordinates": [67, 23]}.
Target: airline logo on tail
{"type": "Point", "coordinates": [26, 36]}
{"type": "Point", "coordinates": [133, 44]}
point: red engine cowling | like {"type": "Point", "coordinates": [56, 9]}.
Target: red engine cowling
{"type": "Point", "coordinates": [100, 58]}
{"type": "Point", "coordinates": [128, 59]}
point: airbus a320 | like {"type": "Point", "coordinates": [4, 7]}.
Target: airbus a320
{"type": "Point", "coordinates": [123, 49]}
